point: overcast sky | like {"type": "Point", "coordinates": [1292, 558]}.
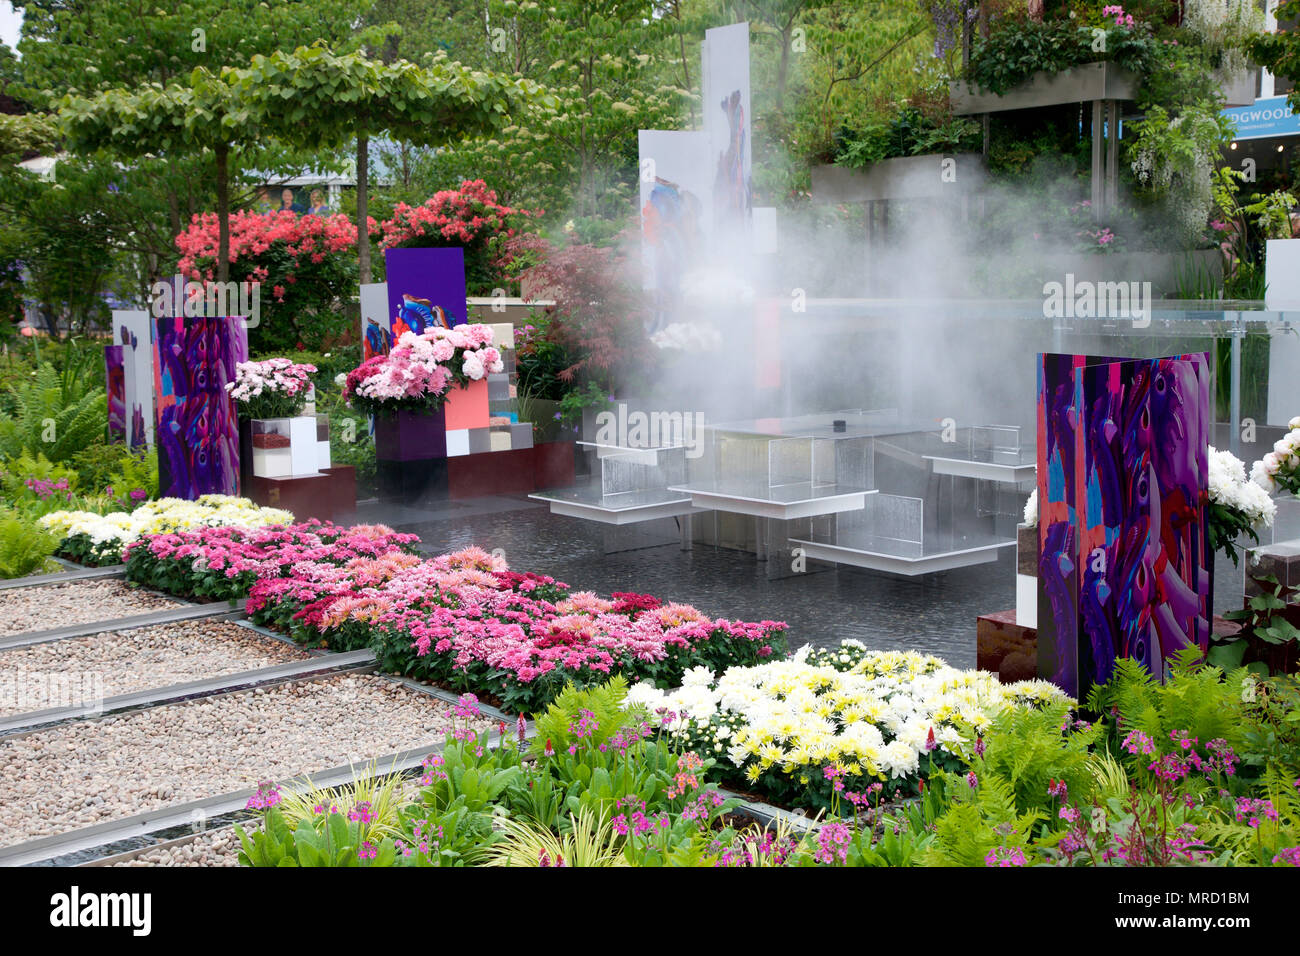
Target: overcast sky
{"type": "Point", "coordinates": [10, 21]}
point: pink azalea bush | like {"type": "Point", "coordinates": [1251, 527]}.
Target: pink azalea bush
{"type": "Point", "coordinates": [418, 373]}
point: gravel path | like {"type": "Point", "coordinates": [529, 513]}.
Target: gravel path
{"type": "Point", "coordinates": [79, 671]}
{"type": "Point", "coordinates": [220, 847]}
{"type": "Point", "coordinates": [80, 774]}
{"type": "Point", "coordinates": [213, 848]}
{"type": "Point", "coordinates": [48, 606]}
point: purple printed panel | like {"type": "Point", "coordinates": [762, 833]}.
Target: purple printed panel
{"type": "Point", "coordinates": [426, 289]}
{"type": "Point", "coordinates": [197, 431]}
{"type": "Point", "coordinates": [115, 379]}
{"type": "Point", "coordinates": [1122, 491]}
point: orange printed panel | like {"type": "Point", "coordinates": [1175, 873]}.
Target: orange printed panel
{"type": "Point", "coordinates": [468, 407]}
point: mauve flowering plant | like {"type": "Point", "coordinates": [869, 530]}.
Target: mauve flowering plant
{"type": "Point", "coordinates": [271, 388]}
{"type": "Point", "coordinates": [466, 621]}
{"type": "Point", "coordinates": [419, 372]}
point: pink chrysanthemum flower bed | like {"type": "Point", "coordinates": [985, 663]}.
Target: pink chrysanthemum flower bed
{"type": "Point", "coordinates": [222, 563]}
{"type": "Point", "coordinates": [462, 620]}
{"type": "Point", "coordinates": [465, 621]}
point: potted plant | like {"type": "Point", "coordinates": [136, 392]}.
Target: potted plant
{"type": "Point", "coordinates": [407, 390]}
{"type": "Point", "coordinates": [276, 439]}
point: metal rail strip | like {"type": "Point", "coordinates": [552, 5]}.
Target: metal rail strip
{"type": "Point", "coordinates": [128, 855]}
{"type": "Point", "coordinates": [768, 815]}
{"type": "Point", "coordinates": [63, 577]}
{"type": "Point", "coordinates": [185, 612]}
{"type": "Point", "coordinates": [51, 848]}
{"type": "Point", "coordinates": [189, 690]}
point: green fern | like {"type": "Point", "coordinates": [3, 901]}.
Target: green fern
{"type": "Point", "coordinates": [1027, 749]}
{"type": "Point", "coordinates": [54, 417]}
{"type": "Point", "coordinates": [977, 822]}
{"type": "Point", "coordinates": [605, 703]}
{"type": "Point", "coordinates": [24, 547]}
{"type": "Point", "coordinates": [1197, 698]}
{"type": "Point", "coordinates": [1257, 845]}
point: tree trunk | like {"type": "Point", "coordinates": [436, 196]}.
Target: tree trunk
{"type": "Point", "coordinates": [223, 213]}
{"type": "Point", "coordinates": [363, 230]}
{"type": "Point", "coordinates": [783, 70]}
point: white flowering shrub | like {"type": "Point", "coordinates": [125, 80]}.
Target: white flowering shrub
{"type": "Point", "coordinates": [797, 728]}
{"type": "Point", "coordinates": [1225, 28]}
{"type": "Point", "coordinates": [1237, 506]}
{"type": "Point", "coordinates": [100, 539]}
{"type": "Point", "coordinates": [1174, 158]}
{"type": "Point", "coordinates": [1031, 509]}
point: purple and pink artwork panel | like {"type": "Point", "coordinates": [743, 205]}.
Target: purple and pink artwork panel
{"type": "Point", "coordinates": [426, 289]}
{"type": "Point", "coordinates": [197, 428]}
{"type": "Point", "coordinates": [1122, 486]}
{"type": "Point", "coordinates": [115, 382]}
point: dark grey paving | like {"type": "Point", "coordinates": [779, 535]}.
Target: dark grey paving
{"type": "Point", "coordinates": [934, 614]}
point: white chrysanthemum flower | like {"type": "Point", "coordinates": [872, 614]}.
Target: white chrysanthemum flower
{"type": "Point", "coordinates": [699, 676]}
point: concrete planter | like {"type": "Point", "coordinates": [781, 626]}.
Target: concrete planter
{"type": "Point", "coordinates": [1239, 87]}
{"type": "Point", "coordinates": [1079, 84]}
{"type": "Point", "coordinates": [904, 177]}
{"type": "Point", "coordinates": [1161, 269]}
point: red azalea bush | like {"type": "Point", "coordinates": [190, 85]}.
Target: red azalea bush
{"type": "Point", "coordinates": [306, 266]}
{"type": "Point", "coordinates": [468, 216]}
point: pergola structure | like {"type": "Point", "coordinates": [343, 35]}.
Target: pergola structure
{"type": "Point", "coordinates": [1103, 86]}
